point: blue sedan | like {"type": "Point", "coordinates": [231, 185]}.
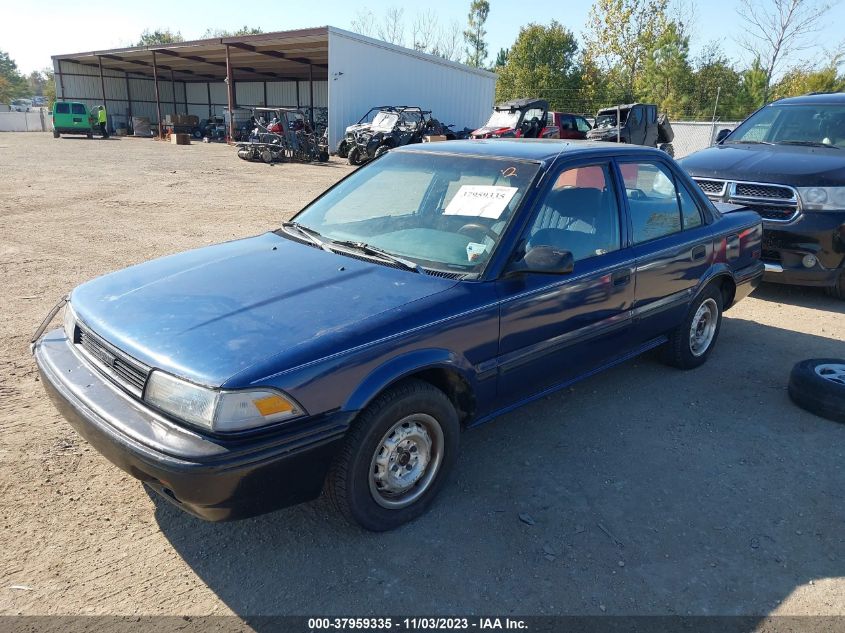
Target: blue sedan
{"type": "Point", "coordinates": [428, 292]}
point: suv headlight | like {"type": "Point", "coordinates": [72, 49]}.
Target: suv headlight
{"type": "Point", "coordinates": [218, 410]}
{"type": "Point", "coordinates": [822, 198]}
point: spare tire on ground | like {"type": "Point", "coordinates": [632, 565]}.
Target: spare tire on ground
{"type": "Point", "coordinates": [818, 385]}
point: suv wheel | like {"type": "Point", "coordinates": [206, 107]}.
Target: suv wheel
{"type": "Point", "coordinates": [692, 341]}
{"type": "Point", "coordinates": [396, 458]}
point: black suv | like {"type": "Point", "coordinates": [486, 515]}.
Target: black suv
{"type": "Point", "coordinates": [787, 162]}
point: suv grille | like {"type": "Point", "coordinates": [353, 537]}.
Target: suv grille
{"type": "Point", "coordinates": [774, 203]}
{"type": "Point", "coordinates": [749, 190]}
{"type": "Point", "coordinates": [120, 368]}
{"type": "Point", "coordinates": [715, 187]}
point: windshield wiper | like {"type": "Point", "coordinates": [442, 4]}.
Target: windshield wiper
{"type": "Point", "coordinates": [807, 143]}
{"type": "Point", "coordinates": [310, 234]}
{"type": "Point", "coordinates": [378, 252]}
{"type": "Point", "coordinates": [749, 142]}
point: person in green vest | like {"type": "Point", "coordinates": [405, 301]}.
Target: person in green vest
{"type": "Point", "coordinates": [101, 119]}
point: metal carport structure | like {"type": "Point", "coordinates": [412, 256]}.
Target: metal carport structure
{"type": "Point", "coordinates": [323, 67]}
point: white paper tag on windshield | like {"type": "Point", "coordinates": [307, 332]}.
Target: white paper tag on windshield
{"type": "Point", "coordinates": [480, 201]}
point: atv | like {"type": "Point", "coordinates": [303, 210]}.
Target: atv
{"type": "Point", "coordinates": [635, 123]}
{"type": "Point", "coordinates": [364, 123]}
{"type": "Point", "coordinates": [282, 134]}
{"type": "Point", "coordinates": [520, 118]}
{"type": "Point", "coordinates": [390, 127]}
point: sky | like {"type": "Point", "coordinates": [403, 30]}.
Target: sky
{"type": "Point", "coordinates": [33, 31]}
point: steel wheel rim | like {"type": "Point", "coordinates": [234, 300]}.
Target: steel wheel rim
{"type": "Point", "coordinates": [406, 461]}
{"type": "Point", "coordinates": [834, 372]}
{"type": "Point", "coordinates": [703, 327]}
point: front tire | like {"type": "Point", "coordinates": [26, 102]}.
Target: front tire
{"type": "Point", "coordinates": [396, 458]}
{"type": "Point", "coordinates": [668, 148]}
{"type": "Point", "coordinates": [353, 157]}
{"type": "Point", "coordinates": [343, 149]}
{"type": "Point", "coordinates": [692, 341]}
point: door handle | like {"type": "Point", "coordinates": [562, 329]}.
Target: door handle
{"type": "Point", "coordinates": [699, 252]}
{"type": "Point", "coordinates": [621, 277]}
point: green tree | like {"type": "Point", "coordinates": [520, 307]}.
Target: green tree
{"type": "Point", "coordinates": [620, 35]}
{"type": "Point", "coordinates": [49, 86]}
{"type": "Point", "coordinates": [800, 80]}
{"type": "Point", "coordinates": [501, 58]}
{"type": "Point", "coordinates": [543, 62]}
{"type": "Point", "coordinates": [754, 86]}
{"type": "Point", "coordinates": [159, 36]}
{"type": "Point", "coordinates": [474, 35]}
{"type": "Point", "coordinates": [714, 74]}
{"type": "Point", "coordinates": [666, 78]}
{"type": "Point", "coordinates": [13, 84]}
{"type": "Point", "coordinates": [244, 30]}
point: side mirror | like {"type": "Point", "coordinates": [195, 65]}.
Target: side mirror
{"type": "Point", "coordinates": [722, 135]}
{"type": "Point", "coordinates": [548, 260]}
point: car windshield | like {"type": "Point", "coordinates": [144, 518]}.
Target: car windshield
{"type": "Point", "coordinates": [384, 121]}
{"type": "Point", "coordinates": [503, 118]}
{"type": "Point", "coordinates": [609, 119]}
{"type": "Point", "coordinates": [440, 211]}
{"type": "Point", "coordinates": [807, 124]}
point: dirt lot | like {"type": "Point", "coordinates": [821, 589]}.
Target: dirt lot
{"type": "Point", "coordinates": [652, 491]}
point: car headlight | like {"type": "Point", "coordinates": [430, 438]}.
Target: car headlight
{"type": "Point", "coordinates": [69, 322]}
{"type": "Point", "coordinates": [218, 410]}
{"type": "Point", "coordinates": [822, 198]}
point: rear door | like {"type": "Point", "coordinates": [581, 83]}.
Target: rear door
{"type": "Point", "coordinates": [672, 244]}
{"type": "Point", "coordinates": [62, 118]}
{"type": "Point", "coordinates": [79, 116]}
{"type": "Point", "coordinates": [554, 328]}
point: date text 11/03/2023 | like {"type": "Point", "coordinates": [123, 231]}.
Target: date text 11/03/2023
{"type": "Point", "coordinates": [417, 623]}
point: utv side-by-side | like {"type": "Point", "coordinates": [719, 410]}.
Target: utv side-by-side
{"type": "Point", "coordinates": [520, 118]}
{"type": "Point", "coordinates": [636, 124]}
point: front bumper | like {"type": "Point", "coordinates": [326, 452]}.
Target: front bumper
{"type": "Point", "coordinates": [821, 234]}
{"type": "Point", "coordinates": [212, 478]}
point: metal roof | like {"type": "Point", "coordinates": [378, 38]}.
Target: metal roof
{"type": "Point", "coordinates": [266, 56]}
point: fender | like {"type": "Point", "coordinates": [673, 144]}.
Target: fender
{"type": "Point", "coordinates": [719, 269]}
{"type": "Point", "coordinates": [406, 365]}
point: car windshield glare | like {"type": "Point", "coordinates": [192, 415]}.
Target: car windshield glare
{"type": "Point", "coordinates": [818, 124]}
{"type": "Point", "coordinates": [503, 118]}
{"type": "Point", "coordinates": [441, 211]}
{"type": "Point", "coordinates": [385, 121]}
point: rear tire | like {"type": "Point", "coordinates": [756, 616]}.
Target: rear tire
{"type": "Point", "coordinates": [56, 134]}
{"type": "Point", "coordinates": [396, 458]}
{"type": "Point", "coordinates": [692, 341]}
{"type": "Point", "coordinates": [668, 148]}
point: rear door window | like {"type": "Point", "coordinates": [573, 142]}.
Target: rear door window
{"type": "Point", "coordinates": [77, 108]}
{"type": "Point", "coordinates": [62, 108]}
{"type": "Point", "coordinates": [652, 200]}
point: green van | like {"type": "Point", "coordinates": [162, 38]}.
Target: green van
{"type": "Point", "coordinates": [71, 117]}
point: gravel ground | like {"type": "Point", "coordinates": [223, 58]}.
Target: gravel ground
{"type": "Point", "coordinates": [644, 490]}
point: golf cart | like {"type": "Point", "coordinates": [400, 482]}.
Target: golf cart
{"type": "Point", "coordinates": [635, 123]}
{"type": "Point", "coordinates": [520, 118]}
{"type": "Point", "coordinates": [282, 134]}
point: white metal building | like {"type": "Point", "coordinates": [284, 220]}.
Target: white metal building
{"type": "Point", "coordinates": [326, 66]}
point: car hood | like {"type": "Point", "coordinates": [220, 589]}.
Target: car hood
{"type": "Point", "coordinates": [786, 164]}
{"type": "Point", "coordinates": [211, 313]}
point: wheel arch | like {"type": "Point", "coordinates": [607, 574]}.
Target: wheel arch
{"type": "Point", "coordinates": [441, 368]}
{"type": "Point", "coordinates": [721, 278]}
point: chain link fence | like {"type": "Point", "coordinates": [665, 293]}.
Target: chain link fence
{"type": "Point", "coordinates": [691, 136]}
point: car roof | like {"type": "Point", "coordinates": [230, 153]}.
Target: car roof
{"type": "Point", "coordinates": [813, 97]}
{"type": "Point", "coordinates": [526, 149]}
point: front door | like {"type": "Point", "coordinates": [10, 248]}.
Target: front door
{"type": "Point", "coordinates": [554, 328]}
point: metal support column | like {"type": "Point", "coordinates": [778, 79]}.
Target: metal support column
{"type": "Point", "coordinates": [158, 100]}
{"type": "Point", "coordinates": [102, 80]}
{"type": "Point", "coordinates": [173, 92]}
{"type": "Point", "coordinates": [208, 91]}
{"type": "Point", "coordinates": [311, 92]}
{"type": "Point", "coordinates": [265, 95]}
{"type": "Point", "coordinates": [128, 99]}
{"type": "Point", "coordinates": [297, 94]}
{"type": "Point", "coordinates": [230, 93]}
{"type": "Point", "coordinates": [185, 94]}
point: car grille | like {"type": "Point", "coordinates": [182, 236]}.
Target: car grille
{"type": "Point", "coordinates": [774, 203]}
{"type": "Point", "coordinates": [120, 368]}
{"type": "Point", "coordinates": [715, 187]}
